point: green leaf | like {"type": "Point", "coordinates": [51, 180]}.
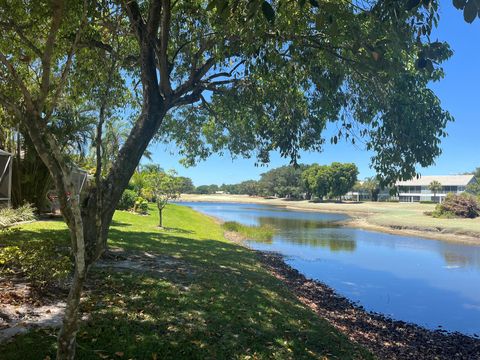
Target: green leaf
{"type": "Point", "coordinates": [411, 4]}
{"type": "Point", "coordinates": [421, 63]}
{"type": "Point", "coordinates": [459, 4]}
{"type": "Point", "coordinates": [429, 66]}
{"type": "Point", "coordinates": [470, 11]}
{"type": "Point", "coordinates": [268, 11]}
{"type": "Point", "coordinates": [211, 5]}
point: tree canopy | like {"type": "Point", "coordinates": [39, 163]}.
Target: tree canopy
{"type": "Point", "coordinates": [245, 77]}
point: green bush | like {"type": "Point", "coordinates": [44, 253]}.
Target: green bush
{"type": "Point", "coordinates": [127, 201]}
{"type": "Point", "coordinates": [463, 205]}
{"type": "Point", "coordinates": [42, 263]}
{"type": "Point", "coordinates": [427, 202]}
{"type": "Point", "coordinates": [9, 216]}
{"type": "Point", "coordinates": [141, 206]}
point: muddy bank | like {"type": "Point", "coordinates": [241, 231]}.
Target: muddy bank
{"type": "Point", "coordinates": [386, 338]}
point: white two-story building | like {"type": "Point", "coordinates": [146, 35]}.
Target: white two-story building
{"type": "Point", "coordinates": [416, 190]}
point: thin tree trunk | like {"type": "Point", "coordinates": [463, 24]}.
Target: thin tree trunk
{"type": "Point", "coordinates": [68, 332]}
{"type": "Point", "coordinates": [67, 336]}
{"type": "Point", "coordinates": [160, 222]}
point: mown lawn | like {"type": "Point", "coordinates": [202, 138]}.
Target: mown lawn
{"type": "Point", "coordinates": [211, 300]}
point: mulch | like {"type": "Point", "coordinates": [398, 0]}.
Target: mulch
{"type": "Point", "coordinates": [384, 337]}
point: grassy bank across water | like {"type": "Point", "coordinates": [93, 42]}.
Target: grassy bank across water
{"type": "Point", "coordinates": [262, 233]}
{"type": "Point", "coordinates": [396, 218]}
{"type": "Point", "coordinates": [184, 292]}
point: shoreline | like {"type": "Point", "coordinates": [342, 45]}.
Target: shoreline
{"type": "Point", "coordinates": [359, 218]}
{"type": "Point", "coordinates": [386, 338]}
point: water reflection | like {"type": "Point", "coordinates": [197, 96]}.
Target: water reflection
{"type": "Point", "coordinates": [424, 281]}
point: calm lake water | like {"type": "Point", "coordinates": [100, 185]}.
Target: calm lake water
{"type": "Point", "coordinates": [428, 282]}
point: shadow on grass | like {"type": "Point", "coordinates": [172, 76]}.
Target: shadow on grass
{"type": "Point", "coordinates": [226, 306]}
{"type": "Point", "coordinates": [120, 223]}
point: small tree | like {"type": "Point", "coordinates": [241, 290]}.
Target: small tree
{"type": "Point", "coordinates": [164, 187]}
{"type": "Point", "coordinates": [372, 185]}
{"type": "Point", "coordinates": [435, 186]}
{"type": "Point", "coordinates": [317, 180]}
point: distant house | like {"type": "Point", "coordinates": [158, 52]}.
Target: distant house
{"type": "Point", "coordinates": [416, 190]}
{"type": "Point", "coordinates": [364, 195]}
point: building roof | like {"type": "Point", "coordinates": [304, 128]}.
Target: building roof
{"type": "Point", "coordinates": [445, 180]}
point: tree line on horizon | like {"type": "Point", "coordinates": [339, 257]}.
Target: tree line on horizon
{"type": "Point", "coordinates": [308, 182]}
{"type": "Point", "coordinates": [295, 182]}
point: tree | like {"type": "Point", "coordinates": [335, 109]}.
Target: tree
{"type": "Point", "coordinates": [342, 178]}
{"type": "Point", "coordinates": [186, 185]}
{"type": "Point", "coordinates": [372, 186]}
{"type": "Point", "coordinates": [474, 188]}
{"type": "Point", "coordinates": [222, 77]}
{"type": "Point", "coordinates": [317, 179]}
{"type": "Point", "coordinates": [206, 189]}
{"type": "Point", "coordinates": [248, 187]}
{"type": "Point", "coordinates": [285, 181]}
{"type": "Point", "coordinates": [435, 186]}
{"type": "Point", "coordinates": [164, 187]}
{"type": "Point", "coordinates": [476, 173]}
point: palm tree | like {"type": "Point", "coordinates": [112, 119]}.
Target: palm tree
{"type": "Point", "coordinates": [435, 186]}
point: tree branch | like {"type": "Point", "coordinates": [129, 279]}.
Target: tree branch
{"type": "Point", "coordinates": [136, 21]}
{"type": "Point", "coordinates": [165, 85]}
{"type": "Point", "coordinates": [18, 80]}
{"type": "Point", "coordinates": [46, 58]}
{"type": "Point", "coordinates": [68, 63]}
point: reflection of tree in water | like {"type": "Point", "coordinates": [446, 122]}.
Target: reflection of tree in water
{"type": "Point", "coordinates": [462, 256]}
{"type": "Point", "coordinates": [300, 232]}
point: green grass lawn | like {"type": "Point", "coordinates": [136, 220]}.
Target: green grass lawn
{"type": "Point", "coordinates": [211, 300]}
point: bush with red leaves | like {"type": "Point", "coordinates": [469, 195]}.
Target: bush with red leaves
{"type": "Point", "coordinates": [463, 205]}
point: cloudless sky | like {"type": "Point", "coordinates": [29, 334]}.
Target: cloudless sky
{"type": "Point", "coordinates": [459, 92]}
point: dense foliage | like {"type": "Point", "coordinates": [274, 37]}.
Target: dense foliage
{"type": "Point", "coordinates": [127, 201]}
{"type": "Point", "coordinates": [297, 182]}
{"type": "Point", "coordinates": [463, 205]}
{"type": "Point", "coordinates": [284, 182]}
{"type": "Point", "coordinates": [370, 186]}
{"type": "Point", "coordinates": [44, 264]}
{"type": "Point", "coordinates": [10, 216]}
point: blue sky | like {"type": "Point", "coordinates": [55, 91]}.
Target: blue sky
{"type": "Point", "coordinates": [459, 92]}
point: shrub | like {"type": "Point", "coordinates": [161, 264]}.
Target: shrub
{"type": "Point", "coordinates": [427, 202]}
{"type": "Point", "coordinates": [127, 201]}
{"type": "Point", "coordinates": [42, 263]}
{"type": "Point", "coordinates": [141, 205]}
{"type": "Point", "coordinates": [9, 216]}
{"type": "Point", "coordinates": [463, 205]}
